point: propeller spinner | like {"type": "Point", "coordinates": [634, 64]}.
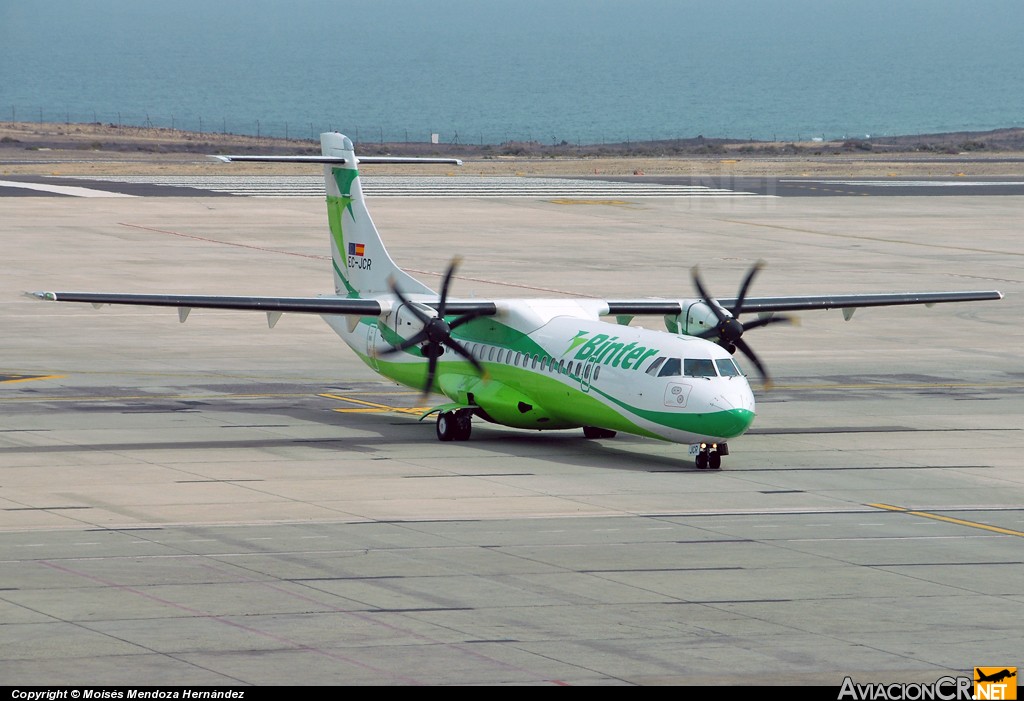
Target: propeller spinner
{"type": "Point", "coordinates": [436, 333]}
{"type": "Point", "coordinates": [729, 330]}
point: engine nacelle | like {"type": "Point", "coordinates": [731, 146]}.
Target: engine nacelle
{"type": "Point", "coordinates": [696, 318]}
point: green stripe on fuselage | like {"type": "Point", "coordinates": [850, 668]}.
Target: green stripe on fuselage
{"type": "Point", "coordinates": [561, 395]}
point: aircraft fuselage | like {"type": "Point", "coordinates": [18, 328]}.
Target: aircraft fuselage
{"type": "Point", "coordinates": [553, 365]}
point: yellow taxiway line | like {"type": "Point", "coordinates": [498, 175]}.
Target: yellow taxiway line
{"type": "Point", "coordinates": [366, 407]}
{"type": "Point", "coordinates": [949, 519]}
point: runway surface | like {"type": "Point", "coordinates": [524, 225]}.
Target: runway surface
{"type": "Point", "coordinates": [621, 189]}
{"type": "Point", "coordinates": [221, 503]}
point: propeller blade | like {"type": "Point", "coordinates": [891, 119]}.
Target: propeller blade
{"type": "Point", "coordinates": [769, 320]}
{"type": "Point", "coordinates": [715, 307]}
{"type": "Point", "coordinates": [417, 312]}
{"type": "Point", "coordinates": [461, 350]}
{"type": "Point", "coordinates": [414, 340]}
{"type": "Point", "coordinates": [465, 319]}
{"type": "Point", "coordinates": [444, 286]}
{"type": "Point", "coordinates": [431, 370]}
{"type": "Point", "coordinates": [754, 270]}
{"type": "Point", "coordinates": [436, 333]}
{"type": "Point", "coordinates": [747, 351]}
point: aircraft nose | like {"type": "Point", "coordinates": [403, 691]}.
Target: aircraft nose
{"type": "Point", "coordinates": [735, 422]}
{"type": "Point", "coordinates": [737, 406]}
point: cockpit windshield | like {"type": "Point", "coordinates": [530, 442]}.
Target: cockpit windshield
{"type": "Point", "coordinates": [693, 367]}
{"type": "Point", "coordinates": [671, 368]}
{"type": "Point", "coordinates": [727, 367]}
{"type": "Point", "coordinates": [653, 369]}
{"type": "Point", "coordinates": [699, 367]}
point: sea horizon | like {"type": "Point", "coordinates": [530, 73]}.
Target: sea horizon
{"type": "Point", "coordinates": [564, 71]}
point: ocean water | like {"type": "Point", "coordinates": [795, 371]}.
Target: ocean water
{"type": "Point", "coordinates": [488, 72]}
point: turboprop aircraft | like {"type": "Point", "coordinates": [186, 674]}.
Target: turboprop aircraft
{"type": "Point", "coordinates": [531, 363]}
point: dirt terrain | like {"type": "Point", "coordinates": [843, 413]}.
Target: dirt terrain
{"type": "Point", "coordinates": [29, 148]}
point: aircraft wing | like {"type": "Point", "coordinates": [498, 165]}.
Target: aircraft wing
{"type": "Point", "coordinates": [769, 305]}
{"type": "Point", "coordinates": [270, 305]}
{"type": "Point", "coordinates": [634, 307]}
{"type": "Point", "coordinates": [307, 305]}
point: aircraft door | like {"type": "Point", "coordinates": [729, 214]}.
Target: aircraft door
{"type": "Point", "coordinates": [371, 344]}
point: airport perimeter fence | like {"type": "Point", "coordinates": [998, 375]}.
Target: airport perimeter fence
{"type": "Point", "coordinates": [260, 128]}
{"type": "Point", "coordinates": [311, 130]}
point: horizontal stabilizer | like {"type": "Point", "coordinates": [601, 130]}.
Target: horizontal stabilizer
{"type": "Point", "coordinates": [335, 160]}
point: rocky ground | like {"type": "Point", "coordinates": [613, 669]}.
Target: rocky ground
{"type": "Point", "coordinates": [106, 149]}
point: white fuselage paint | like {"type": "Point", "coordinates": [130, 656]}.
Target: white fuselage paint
{"type": "Point", "coordinates": [568, 342]}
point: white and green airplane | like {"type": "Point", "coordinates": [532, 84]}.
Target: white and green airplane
{"type": "Point", "coordinates": [531, 363]}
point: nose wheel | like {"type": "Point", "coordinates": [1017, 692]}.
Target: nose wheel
{"type": "Point", "coordinates": [710, 457]}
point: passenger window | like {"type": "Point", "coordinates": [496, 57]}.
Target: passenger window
{"type": "Point", "coordinates": [490, 353]}
{"type": "Point", "coordinates": [501, 355]}
{"type": "Point", "coordinates": [597, 371]}
{"type": "Point", "coordinates": [535, 361]}
{"type": "Point", "coordinates": [672, 368]}
{"type": "Point", "coordinates": [653, 370]}
{"type": "Point", "coordinates": [586, 373]}
{"type": "Point", "coordinates": [561, 367]}
{"type": "Point", "coordinates": [727, 367]}
{"type": "Point", "coordinates": [699, 367]}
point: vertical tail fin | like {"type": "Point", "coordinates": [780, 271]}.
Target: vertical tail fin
{"type": "Point", "coordinates": [361, 264]}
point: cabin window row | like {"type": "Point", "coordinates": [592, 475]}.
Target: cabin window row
{"type": "Point", "coordinates": [493, 354]}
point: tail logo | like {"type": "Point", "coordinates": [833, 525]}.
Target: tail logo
{"type": "Point", "coordinates": [344, 178]}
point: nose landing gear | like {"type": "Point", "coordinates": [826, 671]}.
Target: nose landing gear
{"type": "Point", "coordinates": [709, 456]}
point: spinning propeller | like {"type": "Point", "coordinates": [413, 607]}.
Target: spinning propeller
{"type": "Point", "coordinates": [436, 333]}
{"type": "Point", "coordinates": [729, 330]}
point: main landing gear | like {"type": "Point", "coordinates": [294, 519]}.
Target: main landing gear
{"type": "Point", "coordinates": [710, 456]}
{"type": "Point", "coordinates": [454, 425]}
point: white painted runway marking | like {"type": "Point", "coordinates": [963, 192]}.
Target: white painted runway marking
{"type": "Point", "coordinates": [63, 189]}
{"type": "Point", "coordinates": [427, 186]}
{"type": "Point", "coordinates": [911, 183]}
